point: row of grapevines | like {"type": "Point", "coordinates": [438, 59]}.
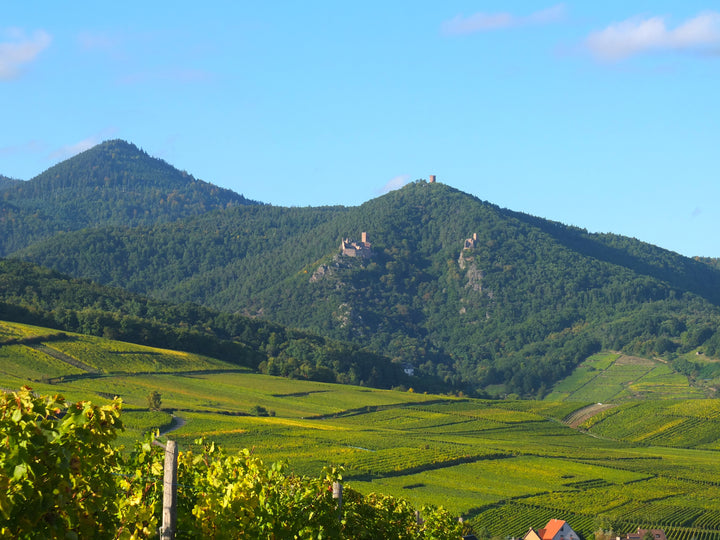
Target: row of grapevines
{"type": "Point", "coordinates": [513, 519]}
{"type": "Point", "coordinates": [60, 477]}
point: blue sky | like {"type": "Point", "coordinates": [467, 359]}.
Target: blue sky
{"type": "Point", "coordinates": [602, 115]}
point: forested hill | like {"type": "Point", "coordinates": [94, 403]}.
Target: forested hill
{"type": "Point", "coordinates": [113, 183]}
{"type": "Point", "coordinates": [519, 308]}
{"type": "Point", "coordinates": [39, 296]}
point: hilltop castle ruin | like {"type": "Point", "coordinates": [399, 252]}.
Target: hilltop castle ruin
{"type": "Point", "coordinates": [362, 248]}
{"type": "Point", "coordinates": [471, 242]}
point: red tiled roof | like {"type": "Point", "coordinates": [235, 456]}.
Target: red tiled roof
{"type": "Point", "coordinates": [551, 529]}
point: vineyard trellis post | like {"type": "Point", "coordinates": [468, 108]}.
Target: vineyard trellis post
{"type": "Point", "coordinates": [169, 511]}
{"type": "Point", "coordinates": [337, 490]}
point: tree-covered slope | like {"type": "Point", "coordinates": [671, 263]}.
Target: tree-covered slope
{"type": "Point", "coordinates": [34, 295]}
{"type": "Point", "coordinates": [6, 182]}
{"type": "Point", "coordinates": [521, 306]}
{"type": "Point", "coordinates": [111, 183]}
{"type": "Point", "coordinates": [243, 246]}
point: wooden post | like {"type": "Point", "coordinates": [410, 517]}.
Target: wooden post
{"type": "Point", "coordinates": [337, 494]}
{"type": "Point", "coordinates": [169, 512]}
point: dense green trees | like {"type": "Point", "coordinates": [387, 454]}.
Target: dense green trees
{"type": "Point", "coordinates": [519, 309]}
{"type": "Point", "coordinates": [6, 182]}
{"type": "Point", "coordinates": [154, 400]}
{"type": "Point", "coordinates": [36, 295]}
{"type": "Point", "coordinates": [112, 183]}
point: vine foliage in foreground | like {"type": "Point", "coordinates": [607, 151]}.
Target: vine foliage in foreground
{"type": "Point", "coordinates": [57, 467]}
{"type": "Point", "coordinates": [60, 477]}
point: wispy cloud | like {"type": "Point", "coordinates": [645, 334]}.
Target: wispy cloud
{"type": "Point", "coordinates": [484, 22]}
{"type": "Point", "coordinates": [395, 183]}
{"type": "Point", "coordinates": [636, 36]}
{"type": "Point", "coordinates": [19, 50]}
{"type": "Point", "coordinates": [70, 150]}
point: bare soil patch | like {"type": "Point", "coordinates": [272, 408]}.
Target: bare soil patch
{"type": "Point", "coordinates": [634, 361]}
{"type": "Point", "coordinates": [579, 416]}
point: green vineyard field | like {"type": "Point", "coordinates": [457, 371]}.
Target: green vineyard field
{"type": "Point", "coordinates": [504, 466]}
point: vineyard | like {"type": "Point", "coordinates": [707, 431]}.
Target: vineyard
{"type": "Point", "coordinates": [678, 423]}
{"type": "Point", "coordinates": [613, 377]}
{"type": "Point", "coordinates": [503, 466]}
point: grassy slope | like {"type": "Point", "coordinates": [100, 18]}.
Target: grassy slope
{"type": "Point", "coordinates": [506, 466]}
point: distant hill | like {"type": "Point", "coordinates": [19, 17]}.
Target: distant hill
{"type": "Point", "coordinates": [516, 308]}
{"type": "Point", "coordinates": [113, 183]}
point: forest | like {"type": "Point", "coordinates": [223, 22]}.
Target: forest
{"type": "Point", "coordinates": [34, 295]}
{"type": "Point", "coordinates": [114, 182]}
{"type": "Point", "coordinates": [513, 313]}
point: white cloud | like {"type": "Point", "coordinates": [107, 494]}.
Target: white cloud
{"type": "Point", "coordinates": [73, 149]}
{"type": "Point", "coordinates": [70, 150]}
{"type": "Point", "coordinates": [635, 36]}
{"type": "Point", "coordinates": [483, 22]}
{"type": "Point", "coordinates": [395, 183]}
{"type": "Point", "coordinates": [20, 50]}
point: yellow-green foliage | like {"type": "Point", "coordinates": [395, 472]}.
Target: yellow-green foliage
{"type": "Point", "coordinates": [613, 377]}
{"type": "Point", "coordinates": [61, 478]}
{"type": "Point", "coordinates": [602, 360]}
{"type": "Point", "coordinates": [693, 423]}
{"type": "Point", "coordinates": [117, 356]}
{"type": "Point", "coordinates": [486, 460]}
{"type": "Point", "coordinates": [145, 420]}
{"type": "Point", "coordinates": [12, 330]}
{"type": "Point", "coordinates": [24, 363]}
{"type": "Point", "coordinates": [57, 467]}
{"type": "Point", "coordinates": [706, 409]}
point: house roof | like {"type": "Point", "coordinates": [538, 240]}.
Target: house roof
{"type": "Point", "coordinates": [658, 534]}
{"type": "Point", "coordinates": [551, 529]}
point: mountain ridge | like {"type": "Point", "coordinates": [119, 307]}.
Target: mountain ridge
{"type": "Point", "coordinates": [112, 183]}
{"type": "Point", "coordinates": [519, 308]}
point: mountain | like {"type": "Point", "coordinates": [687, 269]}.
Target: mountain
{"type": "Point", "coordinates": [463, 291]}
{"type": "Point", "coordinates": [113, 183]}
